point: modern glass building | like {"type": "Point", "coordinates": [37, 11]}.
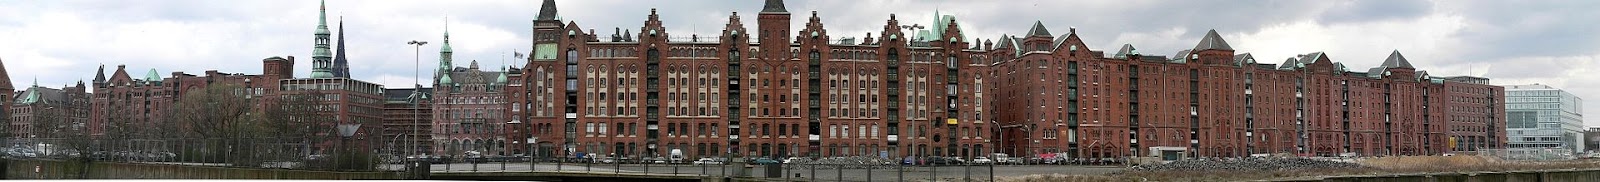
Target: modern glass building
{"type": "Point", "coordinates": [1541, 116]}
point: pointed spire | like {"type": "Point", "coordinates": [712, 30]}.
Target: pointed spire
{"type": "Point", "coordinates": [321, 57]}
{"type": "Point", "coordinates": [100, 74]}
{"type": "Point", "coordinates": [446, 46]}
{"type": "Point", "coordinates": [446, 55]}
{"type": "Point", "coordinates": [548, 10]}
{"type": "Point", "coordinates": [1396, 61]}
{"type": "Point", "coordinates": [1038, 30]}
{"type": "Point", "coordinates": [1212, 41]}
{"type": "Point", "coordinates": [5, 79]}
{"type": "Point", "coordinates": [341, 66]}
{"type": "Point", "coordinates": [774, 6]}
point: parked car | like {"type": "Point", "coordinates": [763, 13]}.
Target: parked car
{"type": "Point", "coordinates": [790, 160]}
{"type": "Point", "coordinates": [936, 160]}
{"type": "Point", "coordinates": [764, 160]}
{"type": "Point", "coordinates": [707, 161]}
{"type": "Point", "coordinates": [957, 160]}
{"type": "Point", "coordinates": [982, 160]}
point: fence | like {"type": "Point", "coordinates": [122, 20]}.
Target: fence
{"type": "Point", "coordinates": [777, 167]}
{"type": "Point", "coordinates": [305, 153]}
{"type": "Point", "coordinates": [310, 153]}
{"type": "Point", "coordinates": [1530, 154]}
{"type": "Point", "coordinates": [73, 169]}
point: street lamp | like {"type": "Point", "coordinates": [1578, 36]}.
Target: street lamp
{"type": "Point", "coordinates": [416, 93]}
{"type": "Point", "coordinates": [913, 142]}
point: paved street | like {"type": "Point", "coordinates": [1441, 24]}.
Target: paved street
{"type": "Point", "coordinates": [854, 173]}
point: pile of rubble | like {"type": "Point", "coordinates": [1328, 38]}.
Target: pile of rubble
{"type": "Point", "coordinates": [1249, 164]}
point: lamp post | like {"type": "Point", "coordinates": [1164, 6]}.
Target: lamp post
{"type": "Point", "coordinates": [416, 94]}
{"type": "Point", "coordinates": [912, 143]}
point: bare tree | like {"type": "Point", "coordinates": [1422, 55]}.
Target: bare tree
{"type": "Point", "coordinates": [223, 117]}
{"type": "Point", "coordinates": [295, 119]}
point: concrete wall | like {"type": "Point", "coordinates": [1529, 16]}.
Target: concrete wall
{"type": "Point", "coordinates": [57, 169]}
{"type": "Point", "coordinates": [1517, 176]}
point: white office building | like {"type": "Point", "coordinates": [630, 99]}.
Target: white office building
{"type": "Point", "coordinates": [1541, 116]}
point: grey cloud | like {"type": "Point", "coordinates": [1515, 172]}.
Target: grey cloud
{"type": "Point", "coordinates": [1509, 29]}
{"type": "Point", "coordinates": [1375, 10]}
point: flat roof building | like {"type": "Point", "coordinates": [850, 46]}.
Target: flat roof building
{"type": "Point", "coordinates": [1541, 116]}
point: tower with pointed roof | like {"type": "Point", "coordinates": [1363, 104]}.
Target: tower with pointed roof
{"type": "Point", "coordinates": [446, 54]}
{"type": "Point", "coordinates": [5, 94]}
{"type": "Point", "coordinates": [1211, 50]}
{"type": "Point", "coordinates": [773, 22]}
{"type": "Point", "coordinates": [321, 57]}
{"type": "Point", "coordinates": [100, 76]}
{"type": "Point", "coordinates": [341, 66]}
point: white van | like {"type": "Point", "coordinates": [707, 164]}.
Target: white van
{"type": "Point", "coordinates": [676, 156]}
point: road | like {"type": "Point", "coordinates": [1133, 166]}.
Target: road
{"type": "Point", "coordinates": [822, 172]}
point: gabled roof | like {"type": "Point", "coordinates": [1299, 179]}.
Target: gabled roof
{"type": "Point", "coordinates": [1181, 56]}
{"type": "Point", "coordinates": [5, 79]}
{"type": "Point", "coordinates": [1290, 63]}
{"type": "Point", "coordinates": [1376, 72]}
{"type": "Point", "coordinates": [1127, 49]}
{"type": "Point", "coordinates": [1038, 30]}
{"type": "Point", "coordinates": [1396, 61]}
{"type": "Point", "coordinates": [1005, 42]}
{"type": "Point", "coordinates": [1243, 59]}
{"type": "Point", "coordinates": [1212, 41]}
{"type": "Point", "coordinates": [404, 95]}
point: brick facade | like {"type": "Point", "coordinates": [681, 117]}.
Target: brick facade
{"type": "Point", "coordinates": [806, 93]}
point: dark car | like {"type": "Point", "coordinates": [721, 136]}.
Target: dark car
{"type": "Point", "coordinates": [936, 160]}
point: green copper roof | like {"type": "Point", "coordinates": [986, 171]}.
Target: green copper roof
{"type": "Point", "coordinates": [321, 56]}
{"type": "Point", "coordinates": [322, 18]}
{"type": "Point", "coordinates": [32, 97]}
{"type": "Point", "coordinates": [940, 24]}
{"type": "Point", "coordinates": [444, 79]}
{"type": "Point", "coordinates": [152, 76]}
{"type": "Point", "coordinates": [446, 47]}
{"type": "Point", "coordinates": [502, 79]}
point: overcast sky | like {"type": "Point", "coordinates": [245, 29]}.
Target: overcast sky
{"type": "Point", "coordinates": [59, 42]}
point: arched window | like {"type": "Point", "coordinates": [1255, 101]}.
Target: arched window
{"type": "Point", "coordinates": [816, 58]}
{"type": "Point", "coordinates": [572, 56]}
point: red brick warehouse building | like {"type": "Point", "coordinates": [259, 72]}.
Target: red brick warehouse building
{"type": "Point", "coordinates": [772, 91]}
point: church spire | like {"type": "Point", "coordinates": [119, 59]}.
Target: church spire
{"type": "Point", "coordinates": [321, 58]}
{"type": "Point", "coordinates": [341, 66]}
